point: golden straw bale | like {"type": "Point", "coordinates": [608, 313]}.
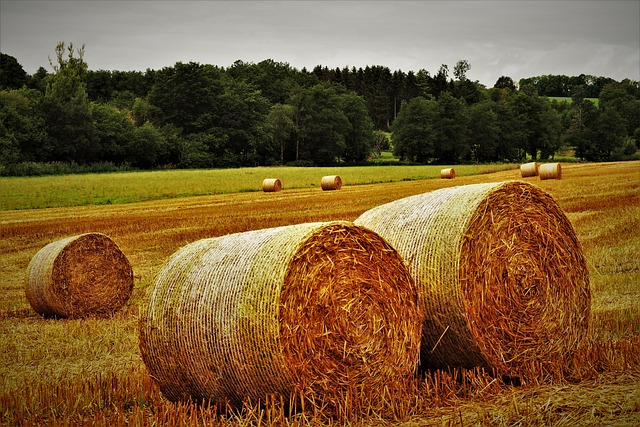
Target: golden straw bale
{"type": "Point", "coordinates": [529, 169]}
{"type": "Point", "coordinates": [447, 173]}
{"type": "Point", "coordinates": [331, 182]}
{"type": "Point", "coordinates": [550, 171]}
{"type": "Point", "coordinates": [79, 276]}
{"type": "Point", "coordinates": [310, 309]}
{"type": "Point", "coordinates": [270, 185]}
{"type": "Point", "coordinates": [502, 272]}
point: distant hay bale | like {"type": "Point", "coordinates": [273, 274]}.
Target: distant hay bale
{"type": "Point", "coordinates": [502, 272]}
{"type": "Point", "coordinates": [529, 169]}
{"type": "Point", "coordinates": [312, 308]}
{"type": "Point", "coordinates": [270, 185]}
{"type": "Point", "coordinates": [79, 276]}
{"type": "Point", "coordinates": [331, 182]}
{"type": "Point", "coordinates": [550, 171]}
{"type": "Point", "coordinates": [447, 173]}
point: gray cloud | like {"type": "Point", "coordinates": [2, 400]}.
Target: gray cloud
{"type": "Point", "coordinates": [513, 38]}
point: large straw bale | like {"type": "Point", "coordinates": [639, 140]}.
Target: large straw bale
{"type": "Point", "coordinates": [79, 276]}
{"type": "Point", "coordinates": [550, 171]}
{"type": "Point", "coordinates": [447, 173]}
{"type": "Point", "coordinates": [270, 185]}
{"type": "Point", "coordinates": [310, 309]}
{"type": "Point", "coordinates": [529, 169]}
{"type": "Point", "coordinates": [502, 272]}
{"type": "Point", "coordinates": [331, 182]}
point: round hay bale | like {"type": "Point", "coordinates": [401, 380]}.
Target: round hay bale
{"type": "Point", "coordinates": [550, 171]}
{"type": "Point", "coordinates": [312, 308]}
{"type": "Point", "coordinates": [331, 182]}
{"type": "Point", "coordinates": [271, 185]}
{"type": "Point", "coordinates": [529, 169]}
{"type": "Point", "coordinates": [447, 173]}
{"type": "Point", "coordinates": [79, 276]}
{"type": "Point", "coordinates": [502, 272]}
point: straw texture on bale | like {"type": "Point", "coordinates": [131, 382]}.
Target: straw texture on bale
{"type": "Point", "coordinates": [550, 171]}
{"type": "Point", "coordinates": [529, 169]}
{"type": "Point", "coordinates": [331, 182]}
{"type": "Point", "coordinates": [309, 309]}
{"type": "Point", "coordinates": [503, 275]}
{"type": "Point", "coordinates": [447, 173]}
{"type": "Point", "coordinates": [79, 276]}
{"type": "Point", "coordinates": [271, 185]}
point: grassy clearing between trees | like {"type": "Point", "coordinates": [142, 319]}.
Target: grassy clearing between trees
{"type": "Point", "coordinates": [89, 372]}
{"type": "Point", "coordinates": [568, 99]}
{"type": "Point", "coordinates": [128, 187]}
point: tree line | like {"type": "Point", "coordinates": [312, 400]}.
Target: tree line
{"type": "Point", "coordinates": [195, 115]}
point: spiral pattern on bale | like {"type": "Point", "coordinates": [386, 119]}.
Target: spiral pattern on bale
{"type": "Point", "coordinates": [504, 279]}
{"type": "Point", "coordinates": [311, 309]}
{"type": "Point", "coordinates": [80, 276]}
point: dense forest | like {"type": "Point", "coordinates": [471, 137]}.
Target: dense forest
{"type": "Point", "coordinates": [193, 115]}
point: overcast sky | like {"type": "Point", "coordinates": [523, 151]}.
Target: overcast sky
{"type": "Point", "coordinates": [499, 38]}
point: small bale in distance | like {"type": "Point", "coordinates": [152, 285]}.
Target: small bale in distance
{"type": "Point", "coordinates": [502, 272]}
{"type": "Point", "coordinates": [550, 171]}
{"type": "Point", "coordinates": [271, 185]}
{"type": "Point", "coordinates": [311, 309]}
{"type": "Point", "coordinates": [331, 182]}
{"type": "Point", "coordinates": [80, 276]}
{"type": "Point", "coordinates": [447, 173]}
{"type": "Point", "coordinates": [529, 169]}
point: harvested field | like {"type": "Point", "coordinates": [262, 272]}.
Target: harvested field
{"type": "Point", "coordinates": [91, 372]}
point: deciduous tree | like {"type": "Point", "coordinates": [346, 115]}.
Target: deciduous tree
{"type": "Point", "coordinates": [12, 75]}
{"type": "Point", "coordinates": [280, 122]}
{"type": "Point", "coordinates": [413, 135]}
{"type": "Point", "coordinates": [359, 137]}
{"type": "Point", "coordinates": [66, 108]}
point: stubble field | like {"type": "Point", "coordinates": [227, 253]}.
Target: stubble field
{"type": "Point", "coordinates": [89, 372]}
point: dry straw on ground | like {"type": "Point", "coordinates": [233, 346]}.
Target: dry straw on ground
{"type": "Point", "coordinates": [504, 278]}
{"type": "Point", "coordinates": [550, 171]}
{"type": "Point", "coordinates": [79, 276]}
{"type": "Point", "coordinates": [270, 185]}
{"type": "Point", "coordinates": [447, 173]}
{"type": "Point", "coordinates": [331, 182]}
{"type": "Point", "coordinates": [311, 309]}
{"type": "Point", "coordinates": [529, 169]}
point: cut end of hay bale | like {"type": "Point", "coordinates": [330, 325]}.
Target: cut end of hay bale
{"type": "Point", "coordinates": [331, 182]}
{"type": "Point", "coordinates": [550, 171]}
{"type": "Point", "coordinates": [447, 173]}
{"type": "Point", "coordinates": [529, 169]}
{"type": "Point", "coordinates": [80, 276]}
{"type": "Point", "coordinates": [271, 185]}
{"type": "Point", "coordinates": [349, 314]}
{"type": "Point", "coordinates": [524, 279]}
{"type": "Point", "coordinates": [307, 310]}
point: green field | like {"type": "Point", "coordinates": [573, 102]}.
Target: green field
{"type": "Point", "coordinates": [129, 187]}
{"type": "Point", "coordinates": [569, 100]}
